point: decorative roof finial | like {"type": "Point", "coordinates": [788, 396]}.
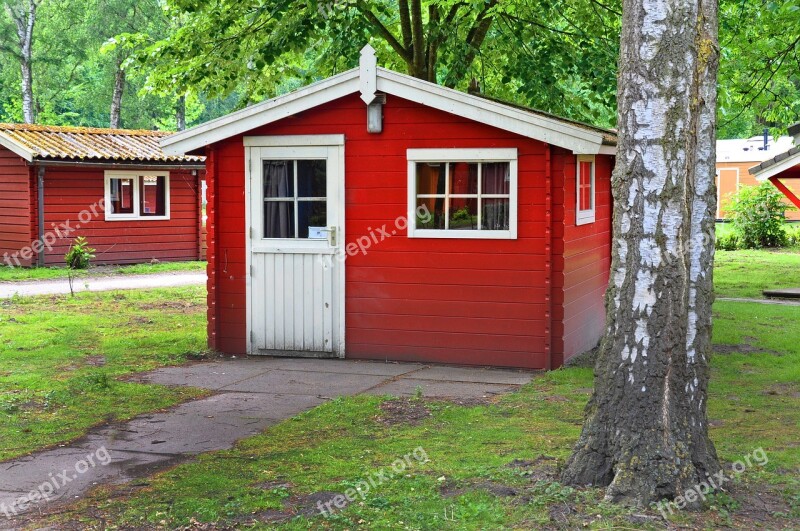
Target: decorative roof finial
{"type": "Point", "coordinates": [368, 66]}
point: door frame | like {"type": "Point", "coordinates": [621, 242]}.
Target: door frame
{"type": "Point", "coordinates": [289, 141]}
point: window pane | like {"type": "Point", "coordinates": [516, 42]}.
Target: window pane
{"type": "Point", "coordinates": [494, 215]}
{"type": "Point", "coordinates": [585, 186]}
{"type": "Point", "coordinates": [463, 178]}
{"type": "Point", "coordinates": [278, 178]}
{"type": "Point", "coordinates": [430, 178]}
{"type": "Point", "coordinates": [153, 195]}
{"type": "Point", "coordinates": [463, 214]}
{"type": "Point", "coordinates": [121, 196]}
{"type": "Point", "coordinates": [311, 214]}
{"type": "Point", "coordinates": [279, 219]}
{"type": "Point", "coordinates": [496, 178]}
{"type": "Point", "coordinates": [311, 181]}
{"type": "Point", "coordinates": [435, 215]}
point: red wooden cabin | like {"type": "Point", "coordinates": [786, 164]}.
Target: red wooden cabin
{"type": "Point", "coordinates": [116, 187]}
{"type": "Point", "coordinates": [376, 216]}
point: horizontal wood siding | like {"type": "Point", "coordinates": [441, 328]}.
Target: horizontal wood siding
{"type": "Point", "coordinates": [72, 192]}
{"type": "Point", "coordinates": [476, 302]}
{"type": "Point", "coordinates": [581, 259]}
{"type": "Point", "coordinates": [16, 209]}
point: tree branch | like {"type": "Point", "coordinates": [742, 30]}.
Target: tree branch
{"type": "Point", "coordinates": [417, 37]}
{"type": "Point", "coordinates": [405, 23]}
{"type": "Point", "coordinates": [385, 33]}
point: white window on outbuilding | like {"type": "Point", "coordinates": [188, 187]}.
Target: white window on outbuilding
{"type": "Point", "coordinates": [136, 195]}
{"type": "Point", "coordinates": [462, 193]}
{"type": "Point", "coordinates": [585, 193]}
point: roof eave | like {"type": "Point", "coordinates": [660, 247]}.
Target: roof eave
{"type": "Point", "coordinates": [16, 148]}
{"type": "Point", "coordinates": [776, 165]}
{"type": "Point", "coordinates": [261, 114]}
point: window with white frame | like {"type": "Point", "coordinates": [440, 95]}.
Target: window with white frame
{"type": "Point", "coordinates": [585, 190]}
{"type": "Point", "coordinates": [136, 195]}
{"type": "Point", "coordinates": [462, 193]}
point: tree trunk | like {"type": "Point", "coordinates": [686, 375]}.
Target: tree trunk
{"type": "Point", "coordinates": [180, 113]}
{"type": "Point", "coordinates": [116, 98]}
{"type": "Point", "coordinates": [646, 431]}
{"type": "Point", "coordinates": [24, 17]}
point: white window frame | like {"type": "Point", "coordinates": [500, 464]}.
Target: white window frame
{"type": "Point", "coordinates": [584, 217]}
{"type": "Point", "coordinates": [136, 215]}
{"type": "Point", "coordinates": [469, 155]}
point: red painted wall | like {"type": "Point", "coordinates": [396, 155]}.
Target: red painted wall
{"type": "Point", "coordinates": [69, 191]}
{"type": "Point", "coordinates": [582, 259]}
{"type": "Point", "coordinates": [15, 206]}
{"type": "Point", "coordinates": [481, 302]}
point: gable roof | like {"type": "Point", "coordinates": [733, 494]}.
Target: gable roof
{"type": "Point", "coordinates": [77, 144]}
{"type": "Point", "coordinates": [777, 164]}
{"type": "Point", "coordinates": [368, 79]}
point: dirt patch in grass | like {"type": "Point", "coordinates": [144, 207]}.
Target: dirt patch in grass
{"type": "Point", "coordinates": [95, 361]}
{"type": "Point", "coordinates": [307, 505]}
{"type": "Point", "coordinates": [403, 411]}
{"type": "Point", "coordinates": [745, 347]}
{"type": "Point", "coordinates": [783, 389]}
{"type": "Point", "coordinates": [171, 305]}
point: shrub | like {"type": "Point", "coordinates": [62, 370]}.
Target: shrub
{"type": "Point", "coordinates": [759, 214]}
{"type": "Point", "coordinates": [728, 242]}
{"type": "Point", "coordinates": [79, 254]}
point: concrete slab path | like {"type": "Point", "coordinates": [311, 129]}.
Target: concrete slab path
{"type": "Point", "coordinates": [103, 283]}
{"type": "Point", "coordinates": [778, 302]}
{"type": "Point", "coordinates": [250, 395]}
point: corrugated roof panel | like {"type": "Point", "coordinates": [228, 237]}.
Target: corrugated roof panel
{"type": "Point", "coordinates": [88, 143]}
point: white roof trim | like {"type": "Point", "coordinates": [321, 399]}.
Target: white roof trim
{"type": "Point", "coordinates": [778, 167]}
{"type": "Point", "coordinates": [549, 130]}
{"type": "Point", "coordinates": [578, 139]}
{"type": "Point", "coordinates": [262, 113]}
{"type": "Point", "coordinates": [19, 149]}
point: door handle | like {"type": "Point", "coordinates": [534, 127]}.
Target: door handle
{"type": "Point", "coordinates": [331, 235]}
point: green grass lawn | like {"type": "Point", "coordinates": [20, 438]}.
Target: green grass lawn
{"type": "Point", "coordinates": [491, 465]}
{"type": "Point", "coordinates": [61, 357]}
{"type": "Point", "coordinates": [44, 273]}
{"type": "Point", "coordinates": [747, 273]}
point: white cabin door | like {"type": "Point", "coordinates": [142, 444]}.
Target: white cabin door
{"type": "Point", "coordinates": [296, 217]}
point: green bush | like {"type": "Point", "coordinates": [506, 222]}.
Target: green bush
{"type": "Point", "coordinates": [79, 254]}
{"type": "Point", "coordinates": [728, 242]}
{"type": "Point", "coordinates": [759, 215]}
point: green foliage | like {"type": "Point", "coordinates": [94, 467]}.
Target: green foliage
{"type": "Point", "coordinates": [728, 242]}
{"type": "Point", "coordinates": [79, 254]}
{"type": "Point", "coordinates": [759, 214]}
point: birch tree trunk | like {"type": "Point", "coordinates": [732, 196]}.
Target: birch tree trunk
{"type": "Point", "coordinates": [116, 97]}
{"type": "Point", "coordinates": [180, 113]}
{"type": "Point", "coordinates": [24, 16]}
{"type": "Point", "coordinates": [645, 436]}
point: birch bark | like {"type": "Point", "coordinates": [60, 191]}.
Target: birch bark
{"type": "Point", "coordinates": [645, 436]}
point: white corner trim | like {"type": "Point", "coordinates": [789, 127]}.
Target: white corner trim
{"type": "Point", "coordinates": [368, 74]}
{"type": "Point", "coordinates": [293, 140]}
{"type": "Point", "coordinates": [16, 147]}
{"type": "Point", "coordinates": [584, 217]}
{"type": "Point", "coordinates": [262, 113]}
{"type": "Point", "coordinates": [780, 167]}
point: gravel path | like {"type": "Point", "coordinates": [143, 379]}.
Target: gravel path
{"type": "Point", "coordinates": [102, 283]}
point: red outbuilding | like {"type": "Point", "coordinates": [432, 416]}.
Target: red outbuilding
{"type": "Point", "coordinates": [115, 187]}
{"type": "Point", "coordinates": [376, 216]}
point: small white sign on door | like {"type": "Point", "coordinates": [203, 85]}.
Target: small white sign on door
{"type": "Point", "coordinates": [317, 233]}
